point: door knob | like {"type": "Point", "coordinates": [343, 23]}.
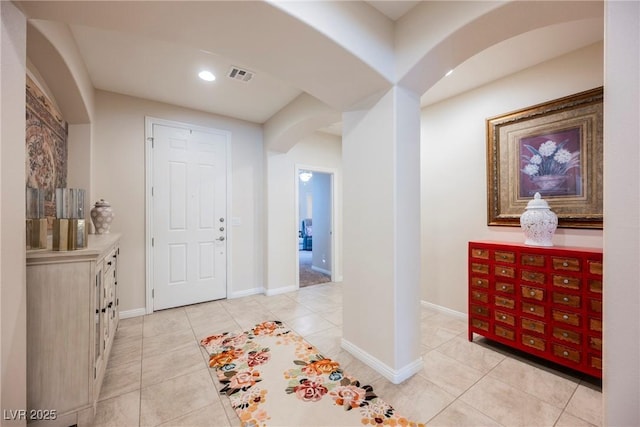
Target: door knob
{"type": "Point", "coordinates": [221, 238]}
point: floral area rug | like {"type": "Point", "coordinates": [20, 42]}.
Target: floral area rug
{"type": "Point", "coordinates": [273, 377]}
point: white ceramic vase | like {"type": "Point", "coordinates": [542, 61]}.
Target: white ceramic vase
{"type": "Point", "coordinates": [102, 216]}
{"type": "Point", "coordinates": [538, 222]}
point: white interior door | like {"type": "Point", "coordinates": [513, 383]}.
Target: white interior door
{"type": "Point", "coordinates": [189, 216]}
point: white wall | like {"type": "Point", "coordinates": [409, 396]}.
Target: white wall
{"type": "Point", "coordinates": [453, 163]}
{"type": "Point", "coordinates": [13, 289]}
{"type": "Point", "coordinates": [318, 151]}
{"type": "Point", "coordinates": [119, 173]}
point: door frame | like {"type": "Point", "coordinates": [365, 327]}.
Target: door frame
{"type": "Point", "coordinates": [332, 187]}
{"type": "Point", "coordinates": [148, 226]}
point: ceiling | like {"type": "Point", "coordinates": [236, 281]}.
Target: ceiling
{"type": "Point", "coordinates": [154, 68]}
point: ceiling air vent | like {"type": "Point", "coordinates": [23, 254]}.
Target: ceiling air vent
{"type": "Point", "coordinates": [240, 74]}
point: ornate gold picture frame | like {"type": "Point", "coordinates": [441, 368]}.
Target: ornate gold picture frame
{"type": "Point", "coordinates": [554, 148]}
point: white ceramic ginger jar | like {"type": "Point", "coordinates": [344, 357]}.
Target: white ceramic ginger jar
{"type": "Point", "coordinates": [102, 215]}
{"type": "Point", "coordinates": [538, 222]}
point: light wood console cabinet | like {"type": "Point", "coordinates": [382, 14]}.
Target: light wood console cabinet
{"type": "Point", "coordinates": [72, 316]}
{"type": "Point", "coordinates": [544, 301]}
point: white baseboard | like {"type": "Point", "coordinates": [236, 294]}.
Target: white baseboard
{"type": "Point", "coordinates": [396, 376]}
{"type": "Point", "coordinates": [444, 310]}
{"type": "Point", "coordinates": [282, 290]}
{"type": "Point", "coordinates": [245, 293]}
{"type": "Point", "coordinates": [133, 313]}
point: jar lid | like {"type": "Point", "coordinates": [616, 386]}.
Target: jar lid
{"type": "Point", "coordinates": [537, 202]}
{"type": "Point", "coordinates": [102, 203]}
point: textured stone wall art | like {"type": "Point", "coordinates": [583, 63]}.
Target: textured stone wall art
{"type": "Point", "coordinates": [46, 146]}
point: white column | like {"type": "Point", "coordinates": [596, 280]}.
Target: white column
{"type": "Point", "coordinates": [381, 219]}
{"type": "Point", "coordinates": [13, 295]}
{"type": "Point", "coordinates": [621, 358]}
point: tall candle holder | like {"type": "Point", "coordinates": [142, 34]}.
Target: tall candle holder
{"type": "Point", "coordinates": [70, 229]}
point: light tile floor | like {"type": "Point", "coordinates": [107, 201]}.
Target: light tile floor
{"type": "Point", "coordinates": [158, 374]}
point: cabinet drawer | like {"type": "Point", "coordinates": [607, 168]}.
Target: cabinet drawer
{"type": "Point", "coordinates": [568, 282]}
{"type": "Point", "coordinates": [480, 253]}
{"type": "Point", "coordinates": [595, 286]}
{"type": "Point", "coordinates": [535, 342]}
{"type": "Point", "coordinates": [480, 268]}
{"type": "Point", "coordinates": [478, 310]}
{"type": "Point", "coordinates": [595, 267]}
{"type": "Point", "coordinates": [480, 324]}
{"type": "Point", "coordinates": [566, 317]}
{"type": "Point", "coordinates": [504, 271]}
{"type": "Point", "coordinates": [532, 325]}
{"type": "Point", "coordinates": [536, 310]}
{"type": "Point", "coordinates": [533, 276]}
{"type": "Point", "coordinates": [566, 299]}
{"type": "Point", "coordinates": [507, 318]}
{"type": "Point", "coordinates": [505, 287]}
{"type": "Point", "coordinates": [504, 302]}
{"type": "Point", "coordinates": [567, 335]}
{"type": "Point", "coordinates": [503, 256]}
{"type": "Point", "coordinates": [532, 293]}
{"type": "Point", "coordinates": [505, 332]}
{"type": "Point", "coordinates": [480, 282]}
{"type": "Point", "coordinates": [595, 325]}
{"type": "Point", "coordinates": [595, 362]}
{"type": "Point", "coordinates": [595, 343]}
{"type": "Point", "coordinates": [566, 264]}
{"type": "Point", "coordinates": [595, 305]}
{"type": "Point", "coordinates": [567, 353]}
{"type": "Point", "coordinates": [532, 260]}
{"type": "Point", "coordinates": [480, 296]}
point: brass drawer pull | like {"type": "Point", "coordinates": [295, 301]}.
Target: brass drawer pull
{"type": "Point", "coordinates": [565, 281]}
{"type": "Point", "coordinates": [504, 271]}
{"type": "Point", "coordinates": [565, 299]}
{"type": "Point", "coordinates": [532, 293]}
{"type": "Point", "coordinates": [531, 341]}
{"type": "Point", "coordinates": [532, 309]}
{"type": "Point", "coordinates": [564, 334]}
{"type": "Point", "coordinates": [565, 264]}
{"type": "Point", "coordinates": [503, 317]}
{"type": "Point", "coordinates": [565, 317]}
{"type": "Point", "coordinates": [479, 282]}
{"type": "Point", "coordinates": [565, 353]}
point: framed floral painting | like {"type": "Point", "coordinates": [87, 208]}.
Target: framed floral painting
{"type": "Point", "coordinates": [554, 149]}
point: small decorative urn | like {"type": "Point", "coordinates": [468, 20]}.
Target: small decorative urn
{"type": "Point", "coordinates": [538, 222]}
{"type": "Point", "coordinates": [102, 215]}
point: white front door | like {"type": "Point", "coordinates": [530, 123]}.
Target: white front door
{"type": "Point", "coordinates": [189, 216]}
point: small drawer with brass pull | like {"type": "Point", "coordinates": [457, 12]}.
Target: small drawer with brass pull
{"type": "Point", "coordinates": [595, 305]}
{"type": "Point", "coordinates": [505, 287]}
{"type": "Point", "coordinates": [595, 362]}
{"type": "Point", "coordinates": [533, 276]}
{"type": "Point", "coordinates": [534, 342]}
{"type": "Point", "coordinates": [504, 271]}
{"type": "Point", "coordinates": [480, 310]}
{"type": "Point", "coordinates": [566, 264]}
{"type": "Point", "coordinates": [567, 353]}
{"type": "Point", "coordinates": [480, 296]}
{"type": "Point", "coordinates": [507, 318]}
{"type": "Point", "coordinates": [532, 260]}
{"type": "Point", "coordinates": [532, 325]}
{"type": "Point", "coordinates": [479, 253]}
{"type": "Point", "coordinates": [505, 332]}
{"type": "Point", "coordinates": [480, 324]}
{"type": "Point", "coordinates": [480, 282]}
{"type": "Point", "coordinates": [595, 267]}
{"type": "Point", "coordinates": [532, 293]}
{"type": "Point", "coordinates": [566, 299]}
{"type": "Point", "coordinates": [536, 310]}
{"type": "Point", "coordinates": [567, 335]}
{"type": "Point", "coordinates": [595, 286]}
{"type": "Point", "coordinates": [480, 268]}
{"type": "Point", "coordinates": [595, 325]}
{"type": "Point", "coordinates": [595, 343]}
{"type": "Point", "coordinates": [568, 282]}
{"type": "Point", "coordinates": [504, 302]}
{"type": "Point", "coordinates": [566, 317]}
{"type": "Point", "coordinates": [507, 257]}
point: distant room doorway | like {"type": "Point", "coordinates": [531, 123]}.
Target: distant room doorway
{"type": "Point", "coordinates": [315, 235]}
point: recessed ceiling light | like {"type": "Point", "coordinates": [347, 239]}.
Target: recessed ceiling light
{"type": "Point", "coordinates": [206, 76]}
{"type": "Point", "coordinates": [449, 73]}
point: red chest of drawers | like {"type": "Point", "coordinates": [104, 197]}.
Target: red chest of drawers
{"type": "Point", "coordinates": [544, 301]}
